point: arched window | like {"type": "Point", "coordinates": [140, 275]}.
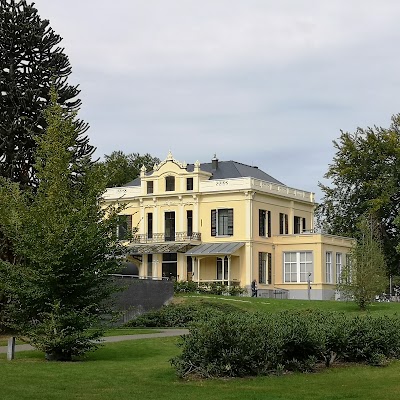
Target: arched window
{"type": "Point", "coordinates": [169, 183]}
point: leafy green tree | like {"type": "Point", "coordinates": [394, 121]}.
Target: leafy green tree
{"type": "Point", "coordinates": [30, 61]}
{"type": "Point", "coordinates": [364, 276]}
{"type": "Point", "coordinates": [119, 168]}
{"type": "Point", "coordinates": [365, 178]}
{"type": "Point", "coordinates": [64, 246]}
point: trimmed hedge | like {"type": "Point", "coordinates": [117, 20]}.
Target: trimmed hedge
{"type": "Point", "coordinates": [180, 315]}
{"type": "Point", "coordinates": [243, 344]}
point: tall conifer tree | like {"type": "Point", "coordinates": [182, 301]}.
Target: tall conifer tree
{"type": "Point", "coordinates": [30, 61]}
{"type": "Point", "coordinates": [64, 246]}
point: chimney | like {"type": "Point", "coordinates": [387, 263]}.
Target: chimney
{"type": "Point", "coordinates": [214, 162]}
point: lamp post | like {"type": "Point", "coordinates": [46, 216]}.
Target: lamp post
{"type": "Point", "coordinates": [309, 286]}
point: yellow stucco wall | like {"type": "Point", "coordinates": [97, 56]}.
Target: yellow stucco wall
{"type": "Point", "coordinates": [246, 196]}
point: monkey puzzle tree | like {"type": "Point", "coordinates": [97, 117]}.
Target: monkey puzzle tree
{"type": "Point", "coordinates": [30, 61]}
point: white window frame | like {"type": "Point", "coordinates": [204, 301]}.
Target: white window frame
{"type": "Point", "coordinates": [339, 266]}
{"type": "Point", "coordinates": [328, 267]}
{"type": "Point", "coordinates": [297, 265]}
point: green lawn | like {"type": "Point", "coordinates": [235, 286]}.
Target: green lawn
{"type": "Point", "coordinates": [275, 305]}
{"type": "Point", "coordinates": [140, 370]}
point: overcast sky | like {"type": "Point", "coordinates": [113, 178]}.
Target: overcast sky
{"type": "Point", "coordinates": [266, 83]}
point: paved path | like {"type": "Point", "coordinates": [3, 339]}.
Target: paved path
{"type": "Point", "coordinates": [109, 339]}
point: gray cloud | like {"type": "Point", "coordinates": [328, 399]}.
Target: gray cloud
{"type": "Point", "coordinates": [262, 82]}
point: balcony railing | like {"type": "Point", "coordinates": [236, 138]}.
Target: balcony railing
{"type": "Point", "coordinates": [162, 237]}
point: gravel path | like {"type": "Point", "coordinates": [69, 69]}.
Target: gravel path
{"type": "Point", "coordinates": [110, 339]}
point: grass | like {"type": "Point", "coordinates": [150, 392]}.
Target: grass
{"type": "Point", "coordinates": [140, 369]}
{"type": "Point", "coordinates": [276, 305]}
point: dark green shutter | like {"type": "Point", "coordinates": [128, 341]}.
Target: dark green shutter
{"type": "Point", "coordinates": [213, 222]}
{"type": "Point", "coordinates": [269, 224]}
{"type": "Point", "coordinates": [269, 268]}
{"type": "Point", "coordinates": [230, 221]}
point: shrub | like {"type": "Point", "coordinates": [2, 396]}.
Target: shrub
{"type": "Point", "coordinates": [180, 315]}
{"type": "Point", "coordinates": [239, 344]}
{"type": "Point", "coordinates": [208, 288]}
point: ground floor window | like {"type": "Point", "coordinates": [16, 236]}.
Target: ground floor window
{"type": "Point", "coordinates": [170, 266]}
{"type": "Point", "coordinates": [264, 268]}
{"type": "Point", "coordinates": [328, 267]}
{"type": "Point", "coordinates": [189, 268]}
{"type": "Point", "coordinates": [222, 268]}
{"type": "Point", "coordinates": [149, 264]}
{"type": "Point", "coordinates": [338, 266]}
{"type": "Point", "coordinates": [298, 266]}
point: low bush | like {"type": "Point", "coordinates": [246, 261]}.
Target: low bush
{"type": "Point", "coordinates": [241, 344]}
{"type": "Point", "coordinates": [208, 288]}
{"type": "Point", "coordinates": [180, 315]}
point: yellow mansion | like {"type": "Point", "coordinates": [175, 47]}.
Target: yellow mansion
{"type": "Point", "coordinates": [228, 222]}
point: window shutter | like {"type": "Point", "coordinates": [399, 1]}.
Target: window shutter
{"type": "Point", "coordinates": [260, 268]}
{"type": "Point", "coordinates": [286, 224]}
{"type": "Point", "coordinates": [129, 224]}
{"type": "Point", "coordinates": [304, 224]}
{"type": "Point", "coordinates": [230, 221]}
{"type": "Point", "coordinates": [269, 268]}
{"type": "Point", "coordinates": [213, 222]}
{"type": "Point", "coordinates": [261, 222]}
{"type": "Point", "coordinates": [269, 224]}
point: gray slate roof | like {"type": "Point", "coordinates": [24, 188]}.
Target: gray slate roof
{"type": "Point", "coordinates": [226, 170]}
{"type": "Point", "coordinates": [215, 249]}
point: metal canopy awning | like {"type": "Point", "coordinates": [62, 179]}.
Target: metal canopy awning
{"type": "Point", "coordinates": [214, 249]}
{"type": "Point", "coordinates": [158, 248]}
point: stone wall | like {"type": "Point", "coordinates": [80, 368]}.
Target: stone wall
{"type": "Point", "coordinates": [141, 295]}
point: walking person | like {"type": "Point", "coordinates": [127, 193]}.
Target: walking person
{"type": "Point", "coordinates": [254, 288]}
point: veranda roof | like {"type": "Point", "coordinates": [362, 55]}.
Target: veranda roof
{"type": "Point", "coordinates": [215, 249]}
{"type": "Point", "coordinates": [158, 248]}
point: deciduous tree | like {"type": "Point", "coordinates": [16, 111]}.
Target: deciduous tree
{"type": "Point", "coordinates": [364, 275]}
{"type": "Point", "coordinates": [119, 168]}
{"type": "Point", "coordinates": [365, 178]}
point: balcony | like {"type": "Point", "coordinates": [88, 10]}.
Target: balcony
{"type": "Point", "coordinates": [163, 238]}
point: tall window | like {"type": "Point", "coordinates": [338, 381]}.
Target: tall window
{"type": "Point", "coordinates": [299, 225]}
{"type": "Point", "coordinates": [189, 183]}
{"type": "Point", "coordinates": [298, 266]}
{"type": "Point", "coordinates": [328, 267]}
{"type": "Point", "coordinates": [222, 222]}
{"type": "Point", "coordinates": [348, 276]}
{"type": "Point", "coordinates": [170, 183]}
{"type": "Point", "coordinates": [222, 274]}
{"type": "Point", "coordinates": [264, 267]}
{"type": "Point", "coordinates": [338, 266]}
{"type": "Point", "coordinates": [124, 227]}
{"type": "Point", "coordinates": [283, 224]}
{"type": "Point", "coordinates": [149, 264]}
{"type": "Point", "coordinates": [189, 268]}
{"type": "Point", "coordinates": [150, 225]}
{"type": "Point", "coordinates": [169, 226]}
{"type": "Point", "coordinates": [149, 187]}
{"type": "Point", "coordinates": [189, 218]}
{"type": "Point", "coordinates": [264, 218]}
